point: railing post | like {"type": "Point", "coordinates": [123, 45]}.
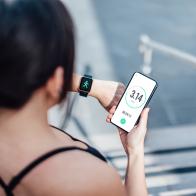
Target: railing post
{"type": "Point", "coordinates": [147, 52]}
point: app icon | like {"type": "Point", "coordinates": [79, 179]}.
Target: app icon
{"type": "Point", "coordinates": [123, 121]}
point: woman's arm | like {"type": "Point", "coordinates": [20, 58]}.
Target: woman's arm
{"type": "Point", "coordinates": [108, 93]}
{"type": "Point", "coordinates": [135, 177]}
{"type": "Point", "coordinates": [133, 143]}
{"type": "Point", "coordinates": [135, 182]}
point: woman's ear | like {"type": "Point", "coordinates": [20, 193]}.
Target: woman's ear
{"type": "Point", "coordinates": [55, 84]}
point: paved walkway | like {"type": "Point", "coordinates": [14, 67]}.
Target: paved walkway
{"type": "Point", "coordinates": [170, 152]}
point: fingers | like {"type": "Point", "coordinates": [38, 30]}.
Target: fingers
{"type": "Point", "coordinates": [144, 117]}
{"type": "Point", "coordinates": [112, 110]}
{"type": "Point", "coordinates": [122, 132]}
{"type": "Point", "coordinates": [109, 117]}
{"type": "Point", "coordinates": [111, 113]}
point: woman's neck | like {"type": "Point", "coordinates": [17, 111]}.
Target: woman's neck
{"type": "Point", "coordinates": [26, 122]}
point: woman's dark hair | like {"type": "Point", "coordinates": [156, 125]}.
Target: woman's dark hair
{"type": "Point", "coordinates": [36, 36]}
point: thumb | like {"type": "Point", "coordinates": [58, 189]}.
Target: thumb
{"type": "Point", "coordinates": [144, 117]}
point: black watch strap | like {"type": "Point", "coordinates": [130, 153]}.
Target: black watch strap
{"type": "Point", "coordinates": [83, 92]}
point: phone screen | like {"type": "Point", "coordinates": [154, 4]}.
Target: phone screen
{"type": "Point", "coordinates": [137, 95]}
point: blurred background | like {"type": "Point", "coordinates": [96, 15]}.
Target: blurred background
{"type": "Point", "coordinates": [115, 38]}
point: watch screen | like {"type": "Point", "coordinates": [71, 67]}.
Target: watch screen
{"type": "Point", "coordinates": [85, 84]}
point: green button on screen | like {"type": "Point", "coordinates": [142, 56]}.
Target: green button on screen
{"type": "Point", "coordinates": [123, 121]}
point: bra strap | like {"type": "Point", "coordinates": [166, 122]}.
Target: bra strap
{"type": "Point", "coordinates": [5, 187]}
{"type": "Point", "coordinates": [17, 179]}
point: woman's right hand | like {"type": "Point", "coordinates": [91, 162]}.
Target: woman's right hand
{"type": "Point", "coordinates": [133, 142]}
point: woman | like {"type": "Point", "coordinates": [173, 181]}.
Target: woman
{"type": "Point", "coordinates": [36, 62]}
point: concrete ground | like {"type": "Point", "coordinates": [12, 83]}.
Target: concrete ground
{"type": "Point", "coordinates": [107, 39]}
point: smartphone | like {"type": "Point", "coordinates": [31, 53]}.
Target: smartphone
{"type": "Point", "coordinates": [135, 98]}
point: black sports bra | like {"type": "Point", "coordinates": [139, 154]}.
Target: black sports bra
{"type": "Point", "coordinates": [9, 188]}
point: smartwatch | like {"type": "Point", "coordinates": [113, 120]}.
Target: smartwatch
{"type": "Point", "coordinates": [85, 85]}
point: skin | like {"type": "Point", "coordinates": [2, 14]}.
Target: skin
{"type": "Point", "coordinates": [108, 93]}
{"type": "Point", "coordinates": [25, 135]}
{"type": "Point", "coordinates": [133, 143]}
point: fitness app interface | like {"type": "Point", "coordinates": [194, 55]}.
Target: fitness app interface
{"type": "Point", "coordinates": [133, 101]}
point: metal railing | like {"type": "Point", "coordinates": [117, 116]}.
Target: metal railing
{"type": "Point", "coordinates": [147, 46]}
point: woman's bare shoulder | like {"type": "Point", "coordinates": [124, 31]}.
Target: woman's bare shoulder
{"type": "Point", "coordinates": [76, 173]}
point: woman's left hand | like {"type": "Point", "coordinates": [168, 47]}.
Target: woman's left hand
{"type": "Point", "coordinates": [108, 93]}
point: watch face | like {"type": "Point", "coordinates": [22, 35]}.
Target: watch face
{"type": "Point", "coordinates": [86, 84]}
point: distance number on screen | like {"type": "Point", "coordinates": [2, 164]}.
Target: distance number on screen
{"type": "Point", "coordinates": [135, 97]}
